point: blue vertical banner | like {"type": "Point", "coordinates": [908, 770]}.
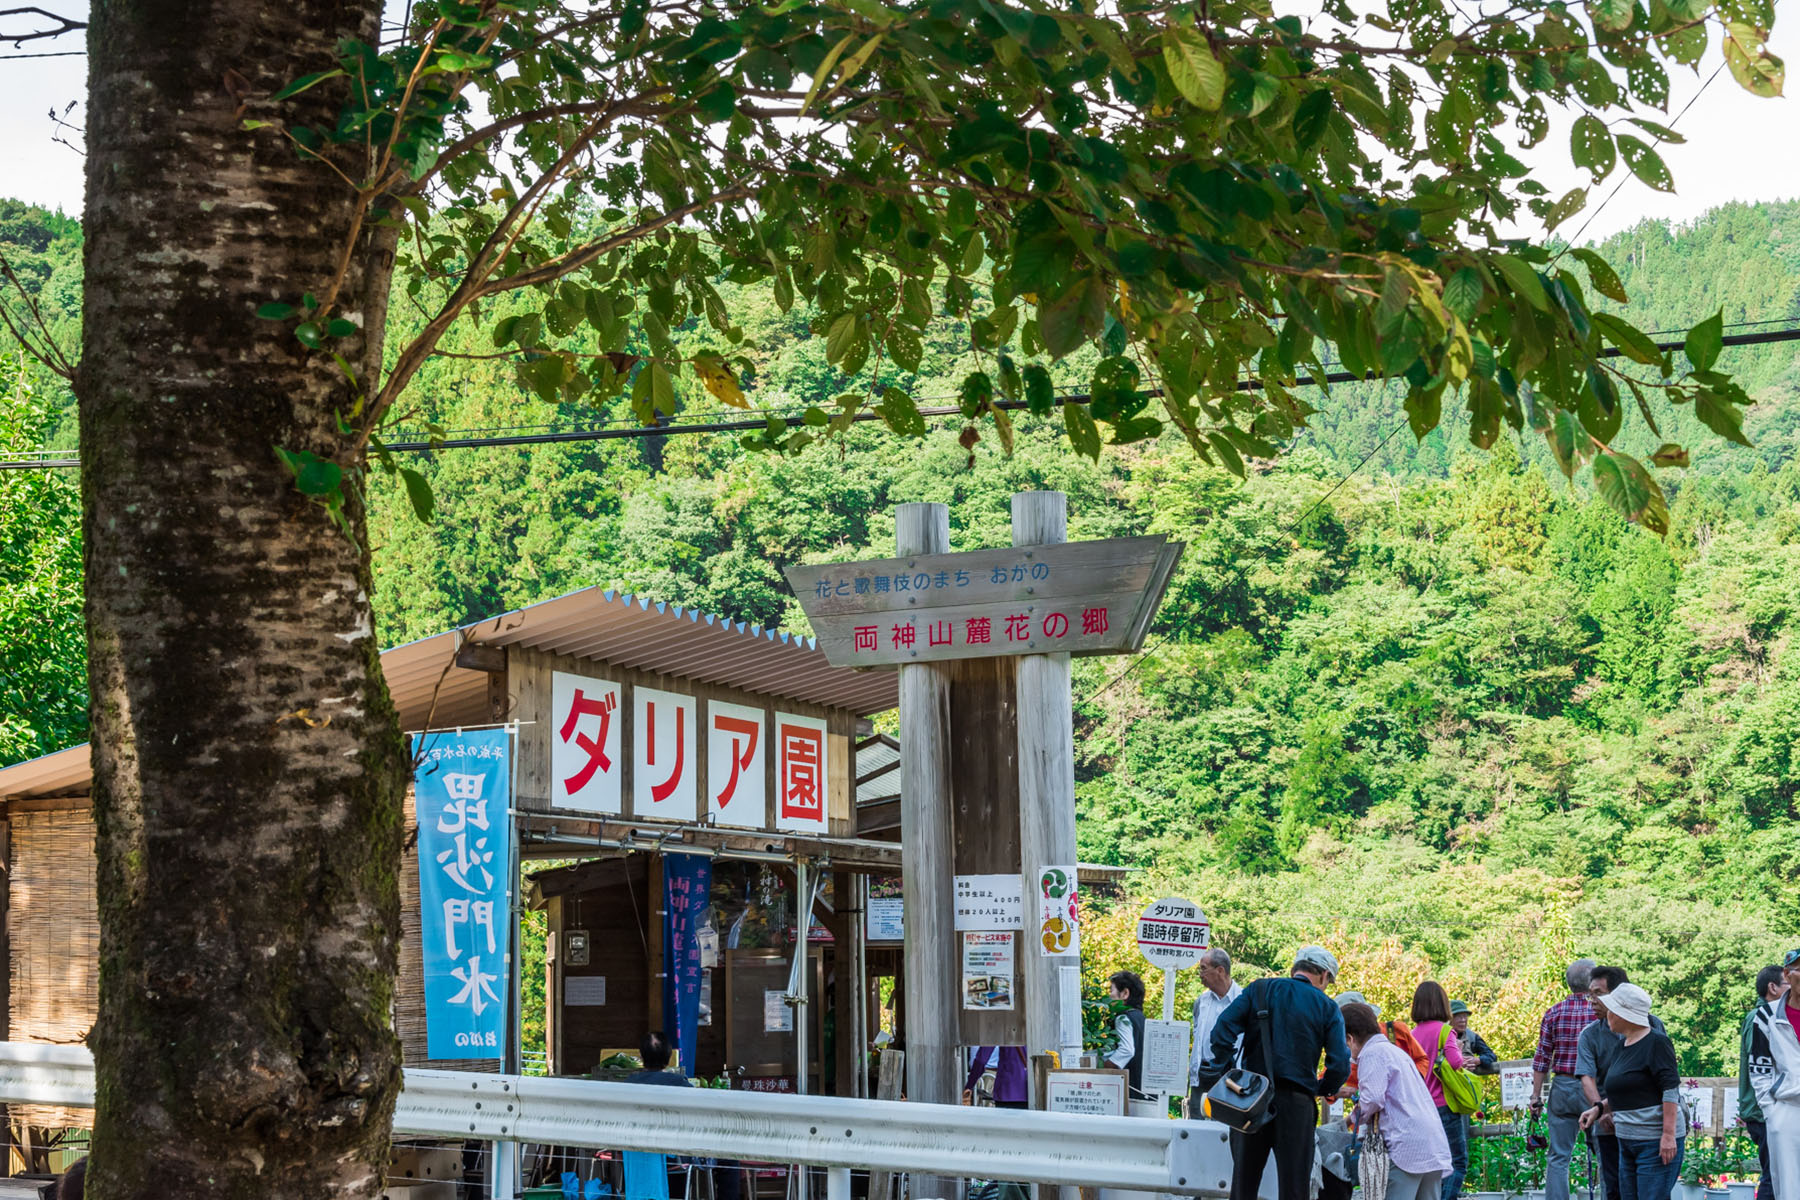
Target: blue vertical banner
{"type": "Point", "coordinates": [462, 794]}
{"type": "Point", "coordinates": [687, 901]}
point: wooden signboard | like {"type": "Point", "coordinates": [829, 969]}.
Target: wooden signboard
{"type": "Point", "coordinates": [1073, 597]}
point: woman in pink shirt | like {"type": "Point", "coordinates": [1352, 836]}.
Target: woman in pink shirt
{"type": "Point", "coordinates": [1389, 1087]}
{"type": "Point", "coordinates": [1431, 1026]}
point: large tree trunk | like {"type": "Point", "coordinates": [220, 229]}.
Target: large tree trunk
{"type": "Point", "coordinates": [248, 767]}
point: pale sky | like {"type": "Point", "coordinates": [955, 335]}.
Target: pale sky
{"type": "Point", "coordinates": [1738, 147]}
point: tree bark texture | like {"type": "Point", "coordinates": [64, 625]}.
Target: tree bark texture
{"type": "Point", "coordinates": [248, 767]}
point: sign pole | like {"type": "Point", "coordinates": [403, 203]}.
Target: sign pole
{"type": "Point", "coordinates": [1168, 993]}
{"type": "Point", "coordinates": [930, 954]}
{"type": "Point", "coordinates": [1046, 782]}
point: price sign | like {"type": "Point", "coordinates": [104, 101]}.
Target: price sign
{"type": "Point", "coordinates": [1173, 933]}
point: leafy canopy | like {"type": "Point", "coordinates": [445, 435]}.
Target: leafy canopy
{"type": "Point", "coordinates": [1210, 193]}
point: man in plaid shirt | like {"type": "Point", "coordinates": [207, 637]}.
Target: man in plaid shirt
{"type": "Point", "coordinates": [1558, 1035]}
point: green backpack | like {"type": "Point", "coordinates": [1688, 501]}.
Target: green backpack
{"type": "Point", "coordinates": [1460, 1095]}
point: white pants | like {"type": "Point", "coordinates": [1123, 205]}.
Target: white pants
{"type": "Point", "coordinates": [1404, 1185]}
{"type": "Point", "coordinates": [1783, 1120]}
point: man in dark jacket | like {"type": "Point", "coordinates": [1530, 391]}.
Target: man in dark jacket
{"type": "Point", "coordinates": [1304, 1024]}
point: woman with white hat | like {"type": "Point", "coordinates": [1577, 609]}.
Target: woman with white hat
{"type": "Point", "coordinates": [1640, 1089]}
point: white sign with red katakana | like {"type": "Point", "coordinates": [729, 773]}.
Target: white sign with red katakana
{"type": "Point", "coordinates": [663, 763]}
{"type": "Point", "coordinates": [737, 753]}
{"type": "Point", "coordinates": [802, 789]}
{"type": "Point", "coordinates": [587, 767]}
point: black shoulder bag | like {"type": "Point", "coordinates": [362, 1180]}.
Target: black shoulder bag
{"type": "Point", "coordinates": [1241, 1100]}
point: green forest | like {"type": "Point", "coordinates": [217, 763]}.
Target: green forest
{"type": "Point", "coordinates": [1432, 705]}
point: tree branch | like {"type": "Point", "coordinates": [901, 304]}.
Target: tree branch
{"type": "Point", "coordinates": [63, 25]}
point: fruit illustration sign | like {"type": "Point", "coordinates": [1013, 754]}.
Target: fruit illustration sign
{"type": "Point", "coordinates": [1059, 913]}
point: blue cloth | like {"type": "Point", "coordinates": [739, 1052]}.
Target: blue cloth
{"type": "Point", "coordinates": [1642, 1173]}
{"type": "Point", "coordinates": [1305, 1023]}
{"type": "Point", "coordinates": [1456, 1131]}
{"type": "Point", "coordinates": [646, 1176]}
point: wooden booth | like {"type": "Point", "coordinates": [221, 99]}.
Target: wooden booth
{"type": "Point", "coordinates": [689, 684]}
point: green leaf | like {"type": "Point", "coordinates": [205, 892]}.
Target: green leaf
{"type": "Point", "coordinates": [1631, 491]}
{"type": "Point", "coordinates": [1720, 415]}
{"type": "Point", "coordinates": [1311, 117]}
{"type": "Point", "coordinates": [1604, 278]}
{"type": "Point", "coordinates": [1612, 15]}
{"type": "Point", "coordinates": [1662, 132]}
{"type": "Point", "coordinates": [1228, 453]}
{"type": "Point", "coordinates": [1523, 279]}
{"type": "Point", "coordinates": [305, 81]}
{"type": "Point", "coordinates": [1704, 341]}
{"type": "Point", "coordinates": [1646, 163]}
{"type": "Point", "coordinates": [1591, 146]}
{"type": "Point", "coordinates": [900, 413]}
{"type": "Point", "coordinates": [340, 328]}
{"type": "Point", "coordinates": [1040, 392]}
{"type": "Point", "coordinates": [1084, 435]}
{"type": "Point", "coordinates": [309, 335]}
{"type": "Point", "coordinates": [1197, 75]}
{"type": "Point", "coordinates": [1424, 409]}
{"type": "Point", "coordinates": [1670, 455]}
{"type": "Point", "coordinates": [418, 490]}
{"type": "Point", "coordinates": [842, 335]}
{"type": "Point", "coordinates": [1635, 344]}
{"type": "Point", "coordinates": [313, 476]}
{"type": "Point", "coordinates": [662, 389]}
{"type": "Point", "coordinates": [275, 311]}
{"type": "Point", "coordinates": [1568, 442]}
{"type": "Point", "coordinates": [1756, 70]}
{"type": "Point", "coordinates": [1462, 293]}
{"type": "Point", "coordinates": [1074, 317]}
{"type": "Point", "coordinates": [1573, 201]}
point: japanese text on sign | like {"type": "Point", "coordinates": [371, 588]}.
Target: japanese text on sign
{"type": "Point", "coordinates": [664, 773]}
{"type": "Point", "coordinates": [989, 902]}
{"type": "Point", "coordinates": [586, 765]}
{"type": "Point", "coordinates": [987, 970]}
{"type": "Point", "coordinates": [736, 751]}
{"type": "Point", "coordinates": [1016, 628]}
{"type": "Point", "coordinates": [462, 791]}
{"type": "Point", "coordinates": [1173, 933]}
{"type": "Point", "coordinates": [1090, 1093]}
{"type": "Point", "coordinates": [1059, 913]}
{"type": "Point", "coordinates": [802, 787]}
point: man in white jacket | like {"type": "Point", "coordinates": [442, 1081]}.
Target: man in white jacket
{"type": "Point", "coordinates": [1774, 1059]}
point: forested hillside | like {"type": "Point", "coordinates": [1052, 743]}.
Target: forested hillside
{"type": "Point", "coordinates": [1441, 710]}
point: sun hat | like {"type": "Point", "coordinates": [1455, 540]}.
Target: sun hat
{"type": "Point", "coordinates": [1318, 958]}
{"type": "Point", "coordinates": [1629, 1002]}
{"type": "Point", "coordinates": [1458, 1007]}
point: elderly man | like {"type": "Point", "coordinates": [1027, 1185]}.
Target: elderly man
{"type": "Point", "coordinates": [1770, 986]}
{"type": "Point", "coordinates": [1559, 1035]}
{"type": "Point", "coordinates": [1303, 1026]}
{"type": "Point", "coordinates": [1217, 991]}
{"type": "Point", "coordinates": [1473, 1047]}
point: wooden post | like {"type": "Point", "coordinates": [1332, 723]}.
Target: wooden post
{"type": "Point", "coordinates": [932, 981]}
{"type": "Point", "coordinates": [1046, 783]}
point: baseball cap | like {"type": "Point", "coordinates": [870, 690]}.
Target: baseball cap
{"type": "Point", "coordinates": [1345, 999]}
{"type": "Point", "coordinates": [1457, 1007]}
{"type": "Point", "coordinates": [1318, 958]}
{"type": "Point", "coordinates": [1793, 956]}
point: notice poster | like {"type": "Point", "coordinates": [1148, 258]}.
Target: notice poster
{"type": "Point", "coordinates": [1697, 1101]}
{"type": "Point", "coordinates": [584, 991]}
{"type": "Point", "coordinates": [1090, 1093]}
{"type": "Point", "coordinates": [778, 1014]}
{"type": "Point", "coordinates": [1059, 914]}
{"type": "Point", "coordinates": [989, 902]}
{"type": "Point", "coordinates": [1165, 1057]}
{"type": "Point", "coordinates": [463, 789]}
{"type": "Point", "coordinates": [1515, 1085]}
{"type": "Point", "coordinates": [886, 919]}
{"type": "Point", "coordinates": [987, 970]}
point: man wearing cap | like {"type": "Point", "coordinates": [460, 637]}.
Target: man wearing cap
{"type": "Point", "coordinates": [1774, 1058]}
{"type": "Point", "coordinates": [1554, 1063]}
{"type": "Point", "coordinates": [1473, 1047]}
{"type": "Point", "coordinates": [1303, 1026]}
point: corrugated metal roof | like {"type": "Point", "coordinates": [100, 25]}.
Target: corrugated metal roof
{"type": "Point", "coordinates": [877, 769]}
{"type": "Point", "coordinates": [615, 627]}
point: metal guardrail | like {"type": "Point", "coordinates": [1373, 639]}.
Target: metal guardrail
{"type": "Point", "coordinates": [1182, 1157]}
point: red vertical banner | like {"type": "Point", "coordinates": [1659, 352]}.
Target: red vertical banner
{"type": "Point", "coordinates": [665, 765]}
{"type": "Point", "coordinates": [802, 775]}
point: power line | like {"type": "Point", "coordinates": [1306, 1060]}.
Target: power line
{"type": "Point", "coordinates": [628, 432]}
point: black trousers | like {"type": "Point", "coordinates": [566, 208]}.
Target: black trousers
{"type": "Point", "coordinates": [1290, 1137]}
{"type": "Point", "coordinates": [1606, 1149]}
{"type": "Point", "coordinates": [1759, 1133]}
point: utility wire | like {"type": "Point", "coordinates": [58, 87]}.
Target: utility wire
{"type": "Point", "coordinates": [633, 432]}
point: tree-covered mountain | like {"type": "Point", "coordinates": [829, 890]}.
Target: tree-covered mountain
{"type": "Point", "coordinates": [1432, 704]}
